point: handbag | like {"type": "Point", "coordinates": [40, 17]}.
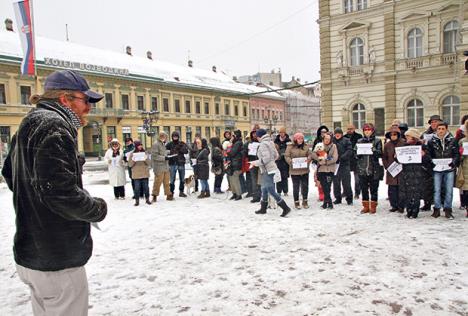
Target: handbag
{"type": "Point", "coordinates": [460, 178]}
{"type": "Point", "coordinates": [217, 170]}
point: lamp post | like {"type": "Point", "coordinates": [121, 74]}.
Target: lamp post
{"type": "Point", "coordinates": [97, 126]}
{"type": "Point", "coordinates": [270, 122]}
{"type": "Point", "coordinates": [148, 118]}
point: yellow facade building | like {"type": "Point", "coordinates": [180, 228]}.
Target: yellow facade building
{"type": "Point", "coordinates": [188, 100]}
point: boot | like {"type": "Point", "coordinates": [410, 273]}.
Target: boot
{"type": "Point", "coordinates": [337, 201]}
{"type": "Point", "coordinates": [170, 197]}
{"type": "Point", "coordinates": [137, 202]}
{"type": "Point", "coordinates": [263, 208]}
{"type": "Point", "coordinates": [154, 199]}
{"type": "Point", "coordinates": [238, 197]}
{"type": "Point", "coordinates": [255, 200]}
{"type": "Point", "coordinates": [202, 195]}
{"type": "Point", "coordinates": [148, 201]}
{"type": "Point", "coordinates": [297, 205]}
{"type": "Point", "coordinates": [373, 207]}
{"type": "Point", "coordinates": [207, 194]}
{"type": "Point", "coordinates": [409, 213]}
{"type": "Point", "coordinates": [448, 213]}
{"type": "Point", "coordinates": [324, 205]}
{"type": "Point", "coordinates": [182, 194]}
{"type": "Point", "coordinates": [401, 210]}
{"type": "Point", "coordinates": [365, 207]}
{"type": "Point", "coordinates": [330, 205]}
{"type": "Point", "coordinates": [285, 208]}
{"type": "Point", "coordinates": [393, 209]}
{"type": "Point", "coordinates": [436, 212]}
{"type": "Point", "coordinates": [415, 213]}
{"type": "Point", "coordinates": [305, 204]}
{"type": "Point", "coordinates": [233, 197]}
{"type": "Point", "coordinates": [426, 207]}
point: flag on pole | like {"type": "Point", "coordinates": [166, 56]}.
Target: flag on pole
{"type": "Point", "coordinates": [24, 19]}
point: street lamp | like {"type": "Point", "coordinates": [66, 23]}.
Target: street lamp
{"type": "Point", "coordinates": [148, 118]}
{"type": "Point", "coordinates": [97, 126]}
{"type": "Point", "coordinates": [270, 122]}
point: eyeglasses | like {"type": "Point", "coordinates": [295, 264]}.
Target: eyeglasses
{"type": "Point", "coordinates": [85, 100]}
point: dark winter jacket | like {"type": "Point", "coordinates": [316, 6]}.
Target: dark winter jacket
{"type": "Point", "coordinates": [180, 149]}
{"type": "Point", "coordinates": [411, 188]}
{"type": "Point", "coordinates": [368, 165]}
{"type": "Point", "coordinates": [354, 137]}
{"type": "Point", "coordinates": [53, 211]}
{"type": "Point", "coordinates": [388, 158]}
{"type": "Point", "coordinates": [202, 168]}
{"type": "Point", "coordinates": [217, 157]}
{"type": "Point", "coordinates": [235, 155]}
{"type": "Point", "coordinates": [345, 152]}
{"type": "Point", "coordinates": [127, 150]}
{"type": "Point", "coordinates": [281, 163]}
{"type": "Point", "coordinates": [444, 148]}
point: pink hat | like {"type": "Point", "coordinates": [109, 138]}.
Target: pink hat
{"type": "Point", "coordinates": [297, 135]}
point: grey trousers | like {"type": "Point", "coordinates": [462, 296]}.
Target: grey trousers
{"type": "Point", "coordinates": [234, 182]}
{"type": "Point", "coordinates": [56, 293]}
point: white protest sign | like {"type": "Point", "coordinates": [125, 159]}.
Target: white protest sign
{"type": "Point", "coordinates": [139, 157]}
{"type": "Point", "coordinates": [395, 168]}
{"type": "Point", "coordinates": [127, 155]}
{"type": "Point", "coordinates": [364, 149]}
{"type": "Point", "coordinates": [194, 161]}
{"type": "Point", "coordinates": [427, 137]}
{"type": "Point", "coordinates": [465, 149]}
{"type": "Point", "coordinates": [253, 147]}
{"type": "Point", "coordinates": [337, 167]}
{"type": "Point", "coordinates": [299, 163]}
{"type": "Point", "coordinates": [114, 161]}
{"type": "Point", "coordinates": [409, 154]}
{"type": "Point", "coordinates": [442, 164]}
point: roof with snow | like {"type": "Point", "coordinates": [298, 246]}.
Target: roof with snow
{"type": "Point", "coordinates": [139, 68]}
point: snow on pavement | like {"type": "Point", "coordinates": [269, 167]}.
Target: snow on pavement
{"type": "Point", "coordinates": [216, 257]}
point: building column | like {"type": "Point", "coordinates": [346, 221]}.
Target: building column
{"type": "Point", "coordinates": [389, 57]}
{"type": "Point", "coordinates": [464, 47]}
{"type": "Point", "coordinates": [325, 64]}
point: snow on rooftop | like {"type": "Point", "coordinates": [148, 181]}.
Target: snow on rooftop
{"type": "Point", "coordinates": [68, 51]}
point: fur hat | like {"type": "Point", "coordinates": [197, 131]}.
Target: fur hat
{"type": "Point", "coordinates": [260, 132]}
{"type": "Point", "coordinates": [393, 129]}
{"type": "Point", "coordinates": [413, 133]}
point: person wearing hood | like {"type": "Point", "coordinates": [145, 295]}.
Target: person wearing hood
{"type": "Point", "coordinates": [250, 150]}
{"type": "Point", "coordinates": [129, 147]}
{"type": "Point", "coordinates": [267, 155]}
{"type": "Point", "coordinates": [234, 155]}
{"type": "Point", "coordinates": [343, 174]}
{"type": "Point", "coordinates": [202, 167]}
{"type": "Point", "coordinates": [369, 169]}
{"type": "Point", "coordinates": [464, 169]}
{"type": "Point", "coordinates": [139, 161]}
{"type": "Point", "coordinates": [322, 130]}
{"type": "Point", "coordinates": [281, 142]}
{"type": "Point", "coordinates": [326, 167]}
{"type": "Point", "coordinates": [354, 136]}
{"type": "Point", "coordinates": [116, 166]}
{"type": "Point", "coordinates": [160, 165]}
{"type": "Point", "coordinates": [193, 152]}
{"type": "Point", "coordinates": [299, 175]}
{"type": "Point", "coordinates": [411, 190]}
{"type": "Point", "coordinates": [388, 158]}
{"type": "Point", "coordinates": [444, 146]}
{"type": "Point", "coordinates": [177, 151]}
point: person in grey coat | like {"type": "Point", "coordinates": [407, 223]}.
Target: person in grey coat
{"type": "Point", "coordinates": [160, 165]}
{"type": "Point", "coordinates": [267, 155]}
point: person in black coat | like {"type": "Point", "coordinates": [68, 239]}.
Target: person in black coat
{"type": "Point", "coordinates": [234, 154]}
{"type": "Point", "coordinates": [281, 142]}
{"type": "Point", "coordinates": [177, 151]}
{"type": "Point", "coordinates": [353, 136]}
{"type": "Point", "coordinates": [250, 151]}
{"type": "Point", "coordinates": [369, 169]}
{"type": "Point", "coordinates": [217, 163]}
{"type": "Point", "coordinates": [343, 175]}
{"type": "Point", "coordinates": [53, 211]}
{"type": "Point", "coordinates": [202, 167]}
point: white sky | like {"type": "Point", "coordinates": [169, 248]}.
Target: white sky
{"type": "Point", "coordinates": [216, 32]}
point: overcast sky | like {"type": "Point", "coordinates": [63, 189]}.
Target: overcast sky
{"type": "Point", "coordinates": [238, 36]}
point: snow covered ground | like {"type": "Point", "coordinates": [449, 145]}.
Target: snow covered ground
{"type": "Point", "coordinates": [216, 257]}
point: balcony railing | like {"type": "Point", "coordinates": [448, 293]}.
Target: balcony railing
{"type": "Point", "coordinates": [448, 59]}
{"type": "Point", "coordinates": [107, 112]}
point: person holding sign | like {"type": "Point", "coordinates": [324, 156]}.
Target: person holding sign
{"type": "Point", "coordinates": [251, 153]}
{"type": "Point", "coordinates": [343, 174]}
{"type": "Point", "coordinates": [367, 152]}
{"type": "Point", "coordinates": [140, 163]}
{"type": "Point", "coordinates": [115, 164]}
{"type": "Point", "coordinates": [282, 141]}
{"type": "Point", "coordinates": [443, 149]}
{"type": "Point", "coordinates": [326, 168]}
{"type": "Point", "coordinates": [462, 175]}
{"type": "Point", "coordinates": [298, 157]}
{"type": "Point", "coordinates": [388, 159]}
{"type": "Point", "coordinates": [433, 122]}
{"type": "Point", "coordinates": [160, 165]}
{"type": "Point", "coordinates": [411, 188]}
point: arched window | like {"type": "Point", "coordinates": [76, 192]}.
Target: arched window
{"type": "Point", "coordinates": [359, 115]}
{"type": "Point", "coordinates": [415, 43]}
{"type": "Point", "coordinates": [356, 52]}
{"type": "Point", "coordinates": [415, 113]}
{"type": "Point", "coordinates": [450, 36]}
{"type": "Point", "coordinates": [451, 109]}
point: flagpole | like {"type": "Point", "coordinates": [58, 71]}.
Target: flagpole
{"type": "Point", "coordinates": [33, 32]}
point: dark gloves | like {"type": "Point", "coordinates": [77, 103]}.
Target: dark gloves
{"type": "Point", "coordinates": [102, 209]}
{"type": "Point", "coordinates": [451, 165]}
{"type": "Point", "coordinates": [166, 158]}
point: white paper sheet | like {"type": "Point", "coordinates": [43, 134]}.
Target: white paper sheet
{"type": "Point", "coordinates": [442, 164]}
{"type": "Point", "coordinates": [409, 154]}
{"type": "Point", "coordinates": [364, 149]}
{"type": "Point", "coordinates": [139, 156]}
{"type": "Point", "coordinates": [465, 149]}
{"type": "Point", "coordinates": [299, 163]}
{"type": "Point", "coordinates": [253, 147]}
{"type": "Point", "coordinates": [395, 168]}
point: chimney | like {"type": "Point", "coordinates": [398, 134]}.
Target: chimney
{"type": "Point", "coordinates": [293, 78]}
{"type": "Point", "coordinates": [235, 78]}
{"type": "Point", "coordinates": [149, 55]}
{"type": "Point", "coordinates": [213, 68]}
{"type": "Point", "coordinates": [9, 25]}
{"type": "Point", "coordinates": [190, 64]}
{"type": "Point", "coordinates": [128, 50]}
{"type": "Point", "coordinates": [298, 79]}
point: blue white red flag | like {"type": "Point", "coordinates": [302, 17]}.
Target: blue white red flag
{"type": "Point", "coordinates": [23, 12]}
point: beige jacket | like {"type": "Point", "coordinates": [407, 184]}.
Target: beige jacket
{"type": "Point", "coordinates": [293, 151]}
{"type": "Point", "coordinates": [140, 169]}
{"type": "Point", "coordinates": [328, 165]}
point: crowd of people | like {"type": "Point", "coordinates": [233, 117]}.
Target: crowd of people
{"type": "Point", "coordinates": [260, 165]}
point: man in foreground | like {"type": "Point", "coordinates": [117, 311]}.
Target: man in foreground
{"type": "Point", "coordinates": [53, 212]}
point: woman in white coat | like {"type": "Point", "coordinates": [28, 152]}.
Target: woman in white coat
{"type": "Point", "coordinates": [114, 158]}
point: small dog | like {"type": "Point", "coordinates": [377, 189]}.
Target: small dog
{"type": "Point", "coordinates": [320, 150]}
{"type": "Point", "coordinates": [189, 183]}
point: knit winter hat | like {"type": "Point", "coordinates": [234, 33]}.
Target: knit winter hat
{"type": "Point", "coordinates": [297, 135]}
{"type": "Point", "coordinates": [338, 130]}
{"type": "Point", "coordinates": [413, 133]}
{"type": "Point", "coordinates": [238, 134]}
{"type": "Point", "coordinates": [260, 132]}
{"type": "Point", "coordinates": [282, 129]}
{"type": "Point", "coordinates": [368, 126]}
{"type": "Point", "coordinates": [137, 143]}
